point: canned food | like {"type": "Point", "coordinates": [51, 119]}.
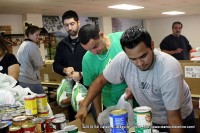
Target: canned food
{"type": "Point", "coordinates": [15, 129]}
{"type": "Point", "coordinates": [42, 103]}
{"type": "Point", "coordinates": [39, 125]}
{"type": "Point", "coordinates": [7, 118]}
{"type": "Point", "coordinates": [20, 110]}
{"type": "Point", "coordinates": [49, 125]}
{"type": "Point", "coordinates": [61, 115]}
{"type": "Point", "coordinates": [10, 110]}
{"type": "Point", "coordinates": [30, 105]}
{"type": "Point", "coordinates": [7, 122]}
{"type": "Point", "coordinates": [118, 121]}
{"type": "Point", "coordinates": [14, 106]}
{"type": "Point", "coordinates": [58, 123]}
{"type": "Point", "coordinates": [155, 131]}
{"type": "Point", "coordinates": [31, 117]}
{"type": "Point", "coordinates": [142, 119]}
{"type": "Point", "coordinates": [44, 114]}
{"type": "Point", "coordinates": [19, 120]}
{"type": "Point", "coordinates": [28, 128]}
{"type": "Point", "coordinates": [71, 129]}
{"type": "Point", "coordinates": [15, 114]}
{"type": "Point", "coordinates": [4, 127]}
{"type": "Point", "coordinates": [21, 107]}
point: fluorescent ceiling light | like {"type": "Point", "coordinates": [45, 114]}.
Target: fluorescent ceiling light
{"type": "Point", "coordinates": [125, 7]}
{"type": "Point", "coordinates": [173, 13]}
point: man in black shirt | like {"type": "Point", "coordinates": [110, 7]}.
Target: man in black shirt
{"type": "Point", "coordinates": [176, 44]}
{"type": "Point", "coordinates": [69, 53]}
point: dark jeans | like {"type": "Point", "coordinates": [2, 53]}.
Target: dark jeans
{"type": "Point", "coordinates": [188, 122]}
{"type": "Point", "coordinates": [36, 88]}
{"type": "Point", "coordinates": [71, 113]}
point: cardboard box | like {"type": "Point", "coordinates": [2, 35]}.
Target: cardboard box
{"type": "Point", "coordinates": [191, 70]}
{"type": "Point", "coordinates": [89, 126]}
{"type": "Point", "coordinates": [48, 75]}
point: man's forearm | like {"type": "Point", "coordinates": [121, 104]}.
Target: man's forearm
{"type": "Point", "coordinates": [175, 121]}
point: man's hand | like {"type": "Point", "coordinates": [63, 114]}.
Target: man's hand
{"type": "Point", "coordinates": [129, 94]}
{"type": "Point", "coordinates": [82, 112]}
{"type": "Point", "coordinates": [68, 71]}
{"type": "Point", "coordinates": [75, 76]}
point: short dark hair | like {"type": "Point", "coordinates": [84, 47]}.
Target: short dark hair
{"type": "Point", "coordinates": [133, 36]}
{"type": "Point", "coordinates": [88, 32]}
{"type": "Point", "coordinates": [70, 14]}
{"type": "Point", "coordinates": [177, 22]}
{"type": "Point", "coordinates": [31, 29]}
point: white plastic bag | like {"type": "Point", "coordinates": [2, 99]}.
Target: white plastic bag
{"type": "Point", "coordinates": [6, 97]}
{"type": "Point", "coordinates": [79, 93]}
{"type": "Point", "coordinates": [104, 119]}
{"type": "Point", "coordinates": [64, 91]}
{"type": "Point", "coordinates": [7, 81]}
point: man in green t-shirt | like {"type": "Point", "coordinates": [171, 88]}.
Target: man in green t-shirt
{"type": "Point", "coordinates": [101, 50]}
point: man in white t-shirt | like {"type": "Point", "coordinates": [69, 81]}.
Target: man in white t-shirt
{"type": "Point", "coordinates": [155, 79]}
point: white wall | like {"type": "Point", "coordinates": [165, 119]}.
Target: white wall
{"type": "Point", "coordinates": [15, 21]}
{"type": "Point", "coordinates": [158, 28]}
{"type": "Point", "coordinates": [161, 27]}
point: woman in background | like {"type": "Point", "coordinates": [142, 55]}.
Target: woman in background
{"type": "Point", "coordinates": [8, 62]}
{"type": "Point", "coordinates": [30, 60]}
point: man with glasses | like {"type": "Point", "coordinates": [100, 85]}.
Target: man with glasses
{"type": "Point", "coordinates": [69, 54]}
{"type": "Point", "coordinates": [176, 44]}
{"type": "Point", "coordinates": [101, 50]}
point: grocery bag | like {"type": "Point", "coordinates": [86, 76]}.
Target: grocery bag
{"type": "Point", "coordinates": [104, 119]}
{"type": "Point", "coordinates": [79, 93]}
{"type": "Point", "coordinates": [64, 91]}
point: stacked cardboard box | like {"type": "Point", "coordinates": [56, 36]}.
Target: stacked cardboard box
{"type": "Point", "coordinates": [47, 74]}
{"type": "Point", "coordinates": [191, 70]}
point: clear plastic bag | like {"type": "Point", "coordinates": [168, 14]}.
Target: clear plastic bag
{"type": "Point", "coordinates": [64, 91]}
{"type": "Point", "coordinates": [104, 119]}
{"type": "Point", "coordinates": [79, 93]}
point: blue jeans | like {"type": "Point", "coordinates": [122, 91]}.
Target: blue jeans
{"type": "Point", "coordinates": [188, 121]}
{"type": "Point", "coordinates": [36, 88]}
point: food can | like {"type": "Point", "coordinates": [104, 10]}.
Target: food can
{"type": "Point", "coordinates": [155, 130]}
{"type": "Point", "coordinates": [14, 106]}
{"type": "Point", "coordinates": [58, 123]}
{"type": "Point", "coordinates": [7, 122]}
{"type": "Point", "coordinates": [44, 114]}
{"type": "Point", "coordinates": [21, 107]}
{"type": "Point", "coordinates": [30, 105]}
{"type": "Point", "coordinates": [20, 110]}
{"type": "Point", "coordinates": [28, 128]}
{"type": "Point", "coordinates": [19, 120]}
{"type": "Point", "coordinates": [7, 118]}
{"type": "Point", "coordinates": [71, 129]}
{"type": "Point", "coordinates": [4, 127]}
{"type": "Point", "coordinates": [142, 119]}
{"type": "Point", "coordinates": [118, 121]}
{"type": "Point", "coordinates": [39, 125]}
{"type": "Point", "coordinates": [42, 103]}
{"type": "Point", "coordinates": [15, 129]}
{"type": "Point", "coordinates": [15, 114]}
{"type": "Point", "coordinates": [10, 110]}
{"type": "Point", "coordinates": [49, 125]}
{"type": "Point", "coordinates": [61, 115]}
